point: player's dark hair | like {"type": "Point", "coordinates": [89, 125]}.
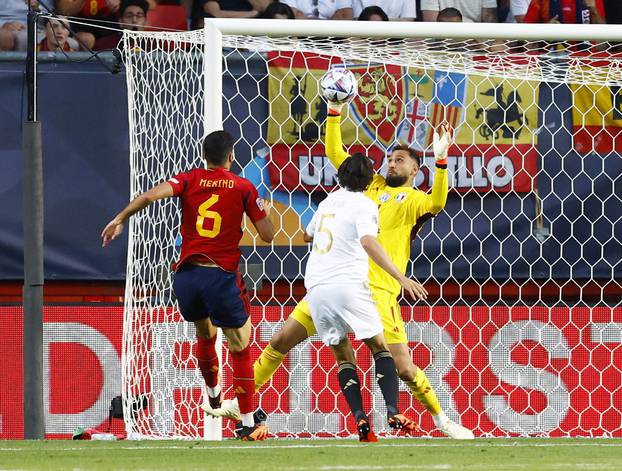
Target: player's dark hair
{"type": "Point", "coordinates": [277, 8]}
{"type": "Point", "coordinates": [356, 172]}
{"type": "Point", "coordinates": [447, 13]}
{"type": "Point", "coordinates": [411, 152]}
{"type": "Point", "coordinates": [216, 147]}
{"type": "Point", "coordinates": [368, 12]}
{"type": "Point", "coordinates": [142, 4]}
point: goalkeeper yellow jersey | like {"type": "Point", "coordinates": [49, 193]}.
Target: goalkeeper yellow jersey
{"type": "Point", "coordinates": [402, 210]}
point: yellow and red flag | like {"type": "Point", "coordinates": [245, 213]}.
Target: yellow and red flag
{"type": "Point", "coordinates": [597, 118]}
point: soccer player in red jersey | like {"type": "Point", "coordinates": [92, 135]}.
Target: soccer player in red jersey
{"type": "Point", "coordinates": [208, 285]}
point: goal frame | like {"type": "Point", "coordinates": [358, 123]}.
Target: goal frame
{"type": "Point", "coordinates": [209, 45]}
{"type": "Point", "coordinates": [215, 28]}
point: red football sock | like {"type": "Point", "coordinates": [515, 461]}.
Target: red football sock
{"type": "Point", "coordinates": [208, 360]}
{"type": "Point", "coordinates": [243, 380]}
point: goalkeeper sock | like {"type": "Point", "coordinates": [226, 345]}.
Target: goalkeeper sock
{"type": "Point", "coordinates": [422, 390]}
{"type": "Point", "coordinates": [440, 419]}
{"type": "Point", "coordinates": [207, 360]}
{"type": "Point", "coordinates": [265, 366]}
{"type": "Point", "coordinates": [386, 376]}
{"type": "Point", "coordinates": [243, 381]}
{"type": "Point", "coordinates": [350, 385]}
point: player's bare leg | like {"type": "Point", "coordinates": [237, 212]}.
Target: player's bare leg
{"type": "Point", "coordinates": [244, 382]}
{"type": "Point", "coordinates": [291, 334]}
{"type": "Point", "coordinates": [351, 388]}
{"type": "Point", "coordinates": [419, 385]}
{"type": "Point", "coordinates": [386, 377]}
{"type": "Point", "coordinates": [207, 360]}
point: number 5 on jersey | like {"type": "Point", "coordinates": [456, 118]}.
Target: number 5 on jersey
{"type": "Point", "coordinates": [322, 229]}
{"type": "Point", "coordinates": [205, 213]}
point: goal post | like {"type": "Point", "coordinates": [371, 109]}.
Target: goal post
{"type": "Point", "coordinates": [525, 319]}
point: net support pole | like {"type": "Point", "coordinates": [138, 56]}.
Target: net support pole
{"type": "Point", "coordinates": [212, 121]}
{"type": "Point", "coordinates": [32, 188]}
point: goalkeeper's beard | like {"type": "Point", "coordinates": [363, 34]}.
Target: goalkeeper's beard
{"type": "Point", "coordinates": [396, 180]}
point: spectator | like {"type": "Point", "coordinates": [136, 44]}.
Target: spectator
{"type": "Point", "coordinates": [278, 11]}
{"type": "Point", "coordinates": [518, 8]}
{"type": "Point", "coordinates": [321, 9]}
{"type": "Point", "coordinates": [472, 10]}
{"type": "Point", "coordinates": [405, 10]}
{"type": "Point", "coordinates": [88, 8]}
{"type": "Point", "coordinates": [97, 10]}
{"type": "Point", "coordinates": [132, 16]}
{"type": "Point", "coordinates": [56, 35]}
{"type": "Point", "coordinates": [566, 11]}
{"type": "Point", "coordinates": [503, 9]}
{"type": "Point", "coordinates": [235, 8]}
{"type": "Point", "coordinates": [449, 15]}
{"type": "Point", "coordinates": [13, 31]}
{"type": "Point", "coordinates": [373, 13]}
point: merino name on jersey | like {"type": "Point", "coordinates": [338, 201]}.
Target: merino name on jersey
{"type": "Point", "coordinates": [337, 226]}
{"type": "Point", "coordinates": [213, 205]}
{"type": "Point", "coordinates": [216, 183]}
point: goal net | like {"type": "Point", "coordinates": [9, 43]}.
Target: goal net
{"type": "Point", "coordinates": [522, 332]}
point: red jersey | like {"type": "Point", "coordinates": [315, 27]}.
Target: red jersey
{"type": "Point", "coordinates": [93, 8]}
{"type": "Point", "coordinates": [43, 46]}
{"type": "Point", "coordinates": [540, 11]}
{"type": "Point", "coordinates": [213, 205]}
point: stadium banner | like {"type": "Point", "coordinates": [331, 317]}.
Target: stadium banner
{"type": "Point", "coordinates": [597, 118]}
{"type": "Point", "coordinates": [501, 168]}
{"type": "Point", "coordinates": [533, 371]}
{"type": "Point", "coordinates": [495, 123]}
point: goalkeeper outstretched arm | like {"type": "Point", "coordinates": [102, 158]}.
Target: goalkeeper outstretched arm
{"type": "Point", "coordinates": [436, 200]}
{"type": "Point", "coordinates": [334, 146]}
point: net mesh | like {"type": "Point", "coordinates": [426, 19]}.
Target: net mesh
{"type": "Point", "coordinates": [522, 334]}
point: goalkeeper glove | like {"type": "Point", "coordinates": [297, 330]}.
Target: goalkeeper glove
{"type": "Point", "coordinates": [335, 109]}
{"type": "Point", "coordinates": [441, 145]}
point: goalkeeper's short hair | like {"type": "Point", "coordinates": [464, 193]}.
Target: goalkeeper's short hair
{"type": "Point", "coordinates": [412, 152]}
{"type": "Point", "coordinates": [356, 172]}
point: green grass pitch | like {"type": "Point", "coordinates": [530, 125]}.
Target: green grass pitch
{"type": "Point", "coordinates": [326, 455]}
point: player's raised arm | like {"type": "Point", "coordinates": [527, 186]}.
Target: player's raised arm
{"type": "Point", "coordinates": [377, 253]}
{"type": "Point", "coordinates": [436, 200]}
{"type": "Point", "coordinates": [115, 227]}
{"type": "Point", "coordinates": [334, 145]}
{"type": "Point", "coordinates": [339, 87]}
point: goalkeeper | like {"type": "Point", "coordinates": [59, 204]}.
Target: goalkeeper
{"type": "Point", "coordinates": [402, 212]}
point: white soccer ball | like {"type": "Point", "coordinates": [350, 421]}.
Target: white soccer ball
{"type": "Point", "coordinates": [338, 86]}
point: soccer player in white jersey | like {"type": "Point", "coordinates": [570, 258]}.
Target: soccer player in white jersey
{"type": "Point", "coordinates": [343, 232]}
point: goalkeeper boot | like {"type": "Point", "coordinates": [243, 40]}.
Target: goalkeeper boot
{"type": "Point", "coordinates": [255, 433]}
{"type": "Point", "coordinates": [402, 423]}
{"type": "Point", "coordinates": [456, 431]}
{"type": "Point", "coordinates": [365, 432]}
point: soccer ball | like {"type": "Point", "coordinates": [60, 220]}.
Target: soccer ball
{"type": "Point", "coordinates": [338, 86]}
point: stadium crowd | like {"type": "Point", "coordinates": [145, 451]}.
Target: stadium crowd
{"type": "Point", "coordinates": [113, 15]}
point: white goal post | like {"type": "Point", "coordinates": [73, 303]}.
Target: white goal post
{"type": "Point", "coordinates": [522, 336]}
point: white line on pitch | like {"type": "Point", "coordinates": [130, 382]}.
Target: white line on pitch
{"type": "Point", "coordinates": [148, 446]}
{"type": "Point", "coordinates": [368, 467]}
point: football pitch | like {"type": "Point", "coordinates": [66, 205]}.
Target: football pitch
{"type": "Point", "coordinates": [293, 455]}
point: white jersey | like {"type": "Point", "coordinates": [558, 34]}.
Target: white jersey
{"type": "Point", "coordinates": [319, 9]}
{"type": "Point", "coordinates": [337, 226]}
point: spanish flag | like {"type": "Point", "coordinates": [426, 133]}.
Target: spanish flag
{"type": "Point", "coordinates": [597, 118]}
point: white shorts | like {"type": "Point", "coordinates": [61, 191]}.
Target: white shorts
{"type": "Point", "coordinates": [339, 309]}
